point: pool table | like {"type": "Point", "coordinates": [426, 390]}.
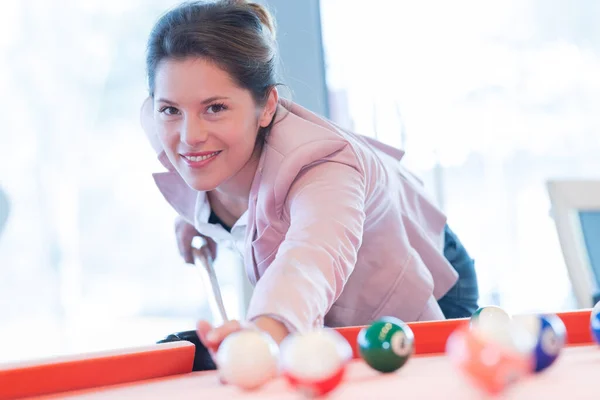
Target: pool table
{"type": "Point", "coordinates": [165, 370]}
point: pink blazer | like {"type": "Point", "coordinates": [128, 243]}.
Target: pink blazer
{"type": "Point", "coordinates": [338, 232]}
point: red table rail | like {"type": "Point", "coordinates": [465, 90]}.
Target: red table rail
{"type": "Point", "coordinates": [431, 337]}
{"type": "Point", "coordinates": [91, 370]}
{"type": "Point", "coordinates": [86, 371]}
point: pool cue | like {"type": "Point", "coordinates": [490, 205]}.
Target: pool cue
{"type": "Point", "coordinates": [204, 261]}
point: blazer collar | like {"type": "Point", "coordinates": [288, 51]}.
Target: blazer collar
{"type": "Point", "coordinates": [181, 197]}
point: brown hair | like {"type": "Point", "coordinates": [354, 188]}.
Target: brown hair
{"type": "Point", "coordinates": [237, 35]}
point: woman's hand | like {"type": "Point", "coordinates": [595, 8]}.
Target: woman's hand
{"type": "Point", "coordinates": [184, 234]}
{"type": "Point", "coordinates": [213, 337]}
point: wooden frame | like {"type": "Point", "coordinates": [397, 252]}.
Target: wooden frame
{"type": "Point", "coordinates": [568, 198]}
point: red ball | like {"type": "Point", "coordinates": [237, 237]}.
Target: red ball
{"type": "Point", "coordinates": [314, 388]}
{"type": "Point", "coordinates": [315, 362]}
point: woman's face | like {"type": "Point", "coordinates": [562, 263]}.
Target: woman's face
{"type": "Point", "coordinates": [206, 124]}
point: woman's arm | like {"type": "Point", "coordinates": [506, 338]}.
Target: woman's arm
{"type": "Point", "coordinates": [325, 207]}
{"type": "Point", "coordinates": [212, 337]}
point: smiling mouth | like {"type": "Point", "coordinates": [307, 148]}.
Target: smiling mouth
{"type": "Point", "coordinates": [200, 158]}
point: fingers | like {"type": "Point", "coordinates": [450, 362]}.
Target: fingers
{"type": "Point", "coordinates": [212, 246]}
{"type": "Point", "coordinates": [188, 256]}
{"type": "Point", "coordinates": [202, 329]}
{"type": "Point", "coordinates": [186, 253]}
{"type": "Point", "coordinates": [212, 337]}
{"type": "Point", "coordinates": [184, 233]}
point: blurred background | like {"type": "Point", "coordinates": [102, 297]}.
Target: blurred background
{"type": "Point", "coordinates": [490, 100]}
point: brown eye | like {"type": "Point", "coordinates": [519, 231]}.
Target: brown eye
{"type": "Point", "coordinates": [216, 108]}
{"type": "Point", "coordinates": [169, 110]}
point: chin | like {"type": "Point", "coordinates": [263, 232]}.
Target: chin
{"type": "Point", "coordinates": [203, 184]}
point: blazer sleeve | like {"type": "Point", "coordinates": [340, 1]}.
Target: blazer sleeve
{"type": "Point", "coordinates": [325, 207]}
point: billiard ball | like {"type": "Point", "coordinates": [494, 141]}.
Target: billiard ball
{"type": "Point", "coordinates": [550, 333]}
{"type": "Point", "coordinates": [491, 359]}
{"type": "Point", "coordinates": [314, 362]}
{"type": "Point", "coordinates": [492, 314]}
{"type": "Point", "coordinates": [595, 323]}
{"type": "Point", "coordinates": [386, 344]}
{"type": "Point", "coordinates": [511, 334]}
{"type": "Point", "coordinates": [247, 359]}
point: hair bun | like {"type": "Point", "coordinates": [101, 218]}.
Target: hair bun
{"type": "Point", "coordinates": [264, 15]}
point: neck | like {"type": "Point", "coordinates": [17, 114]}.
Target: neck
{"type": "Point", "coordinates": [235, 192]}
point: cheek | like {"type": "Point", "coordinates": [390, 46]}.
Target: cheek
{"type": "Point", "coordinates": [239, 137]}
{"type": "Point", "coordinates": [167, 134]}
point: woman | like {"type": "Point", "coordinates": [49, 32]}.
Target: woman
{"type": "Point", "coordinates": [333, 230]}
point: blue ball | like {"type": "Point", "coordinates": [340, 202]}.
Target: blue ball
{"type": "Point", "coordinates": [551, 339]}
{"type": "Point", "coordinates": [595, 323]}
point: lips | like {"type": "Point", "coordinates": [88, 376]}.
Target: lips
{"type": "Point", "coordinates": [196, 157]}
{"type": "Point", "coordinates": [200, 160]}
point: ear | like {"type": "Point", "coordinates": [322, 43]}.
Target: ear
{"type": "Point", "coordinates": [269, 109]}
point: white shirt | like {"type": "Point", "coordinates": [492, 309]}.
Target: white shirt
{"type": "Point", "coordinates": [234, 239]}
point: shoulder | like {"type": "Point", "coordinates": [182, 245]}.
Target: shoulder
{"type": "Point", "coordinates": [301, 140]}
{"type": "Point", "coordinates": [297, 129]}
{"type": "Point", "coordinates": [299, 132]}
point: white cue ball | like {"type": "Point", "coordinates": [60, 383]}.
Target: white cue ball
{"type": "Point", "coordinates": [314, 355]}
{"type": "Point", "coordinates": [248, 359]}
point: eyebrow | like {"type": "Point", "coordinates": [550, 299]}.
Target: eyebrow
{"type": "Point", "coordinates": [204, 102]}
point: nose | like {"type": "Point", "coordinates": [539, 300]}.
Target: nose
{"type": "Point", "coordinates": [193, 132]}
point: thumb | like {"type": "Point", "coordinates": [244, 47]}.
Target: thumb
{"type": "Point", "coordinates": [202, 328]}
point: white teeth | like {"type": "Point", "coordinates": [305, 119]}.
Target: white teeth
{"type": "Point", "coordinates": [201, 158]}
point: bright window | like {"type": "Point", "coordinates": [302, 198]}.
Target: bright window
{"type": "Point", "coordinates": [489, 99]}
{"type": "Point", "coordinates": [88, 259]}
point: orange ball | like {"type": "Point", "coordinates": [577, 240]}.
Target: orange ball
{"type": "Point", "coordinates": [491, 365]}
